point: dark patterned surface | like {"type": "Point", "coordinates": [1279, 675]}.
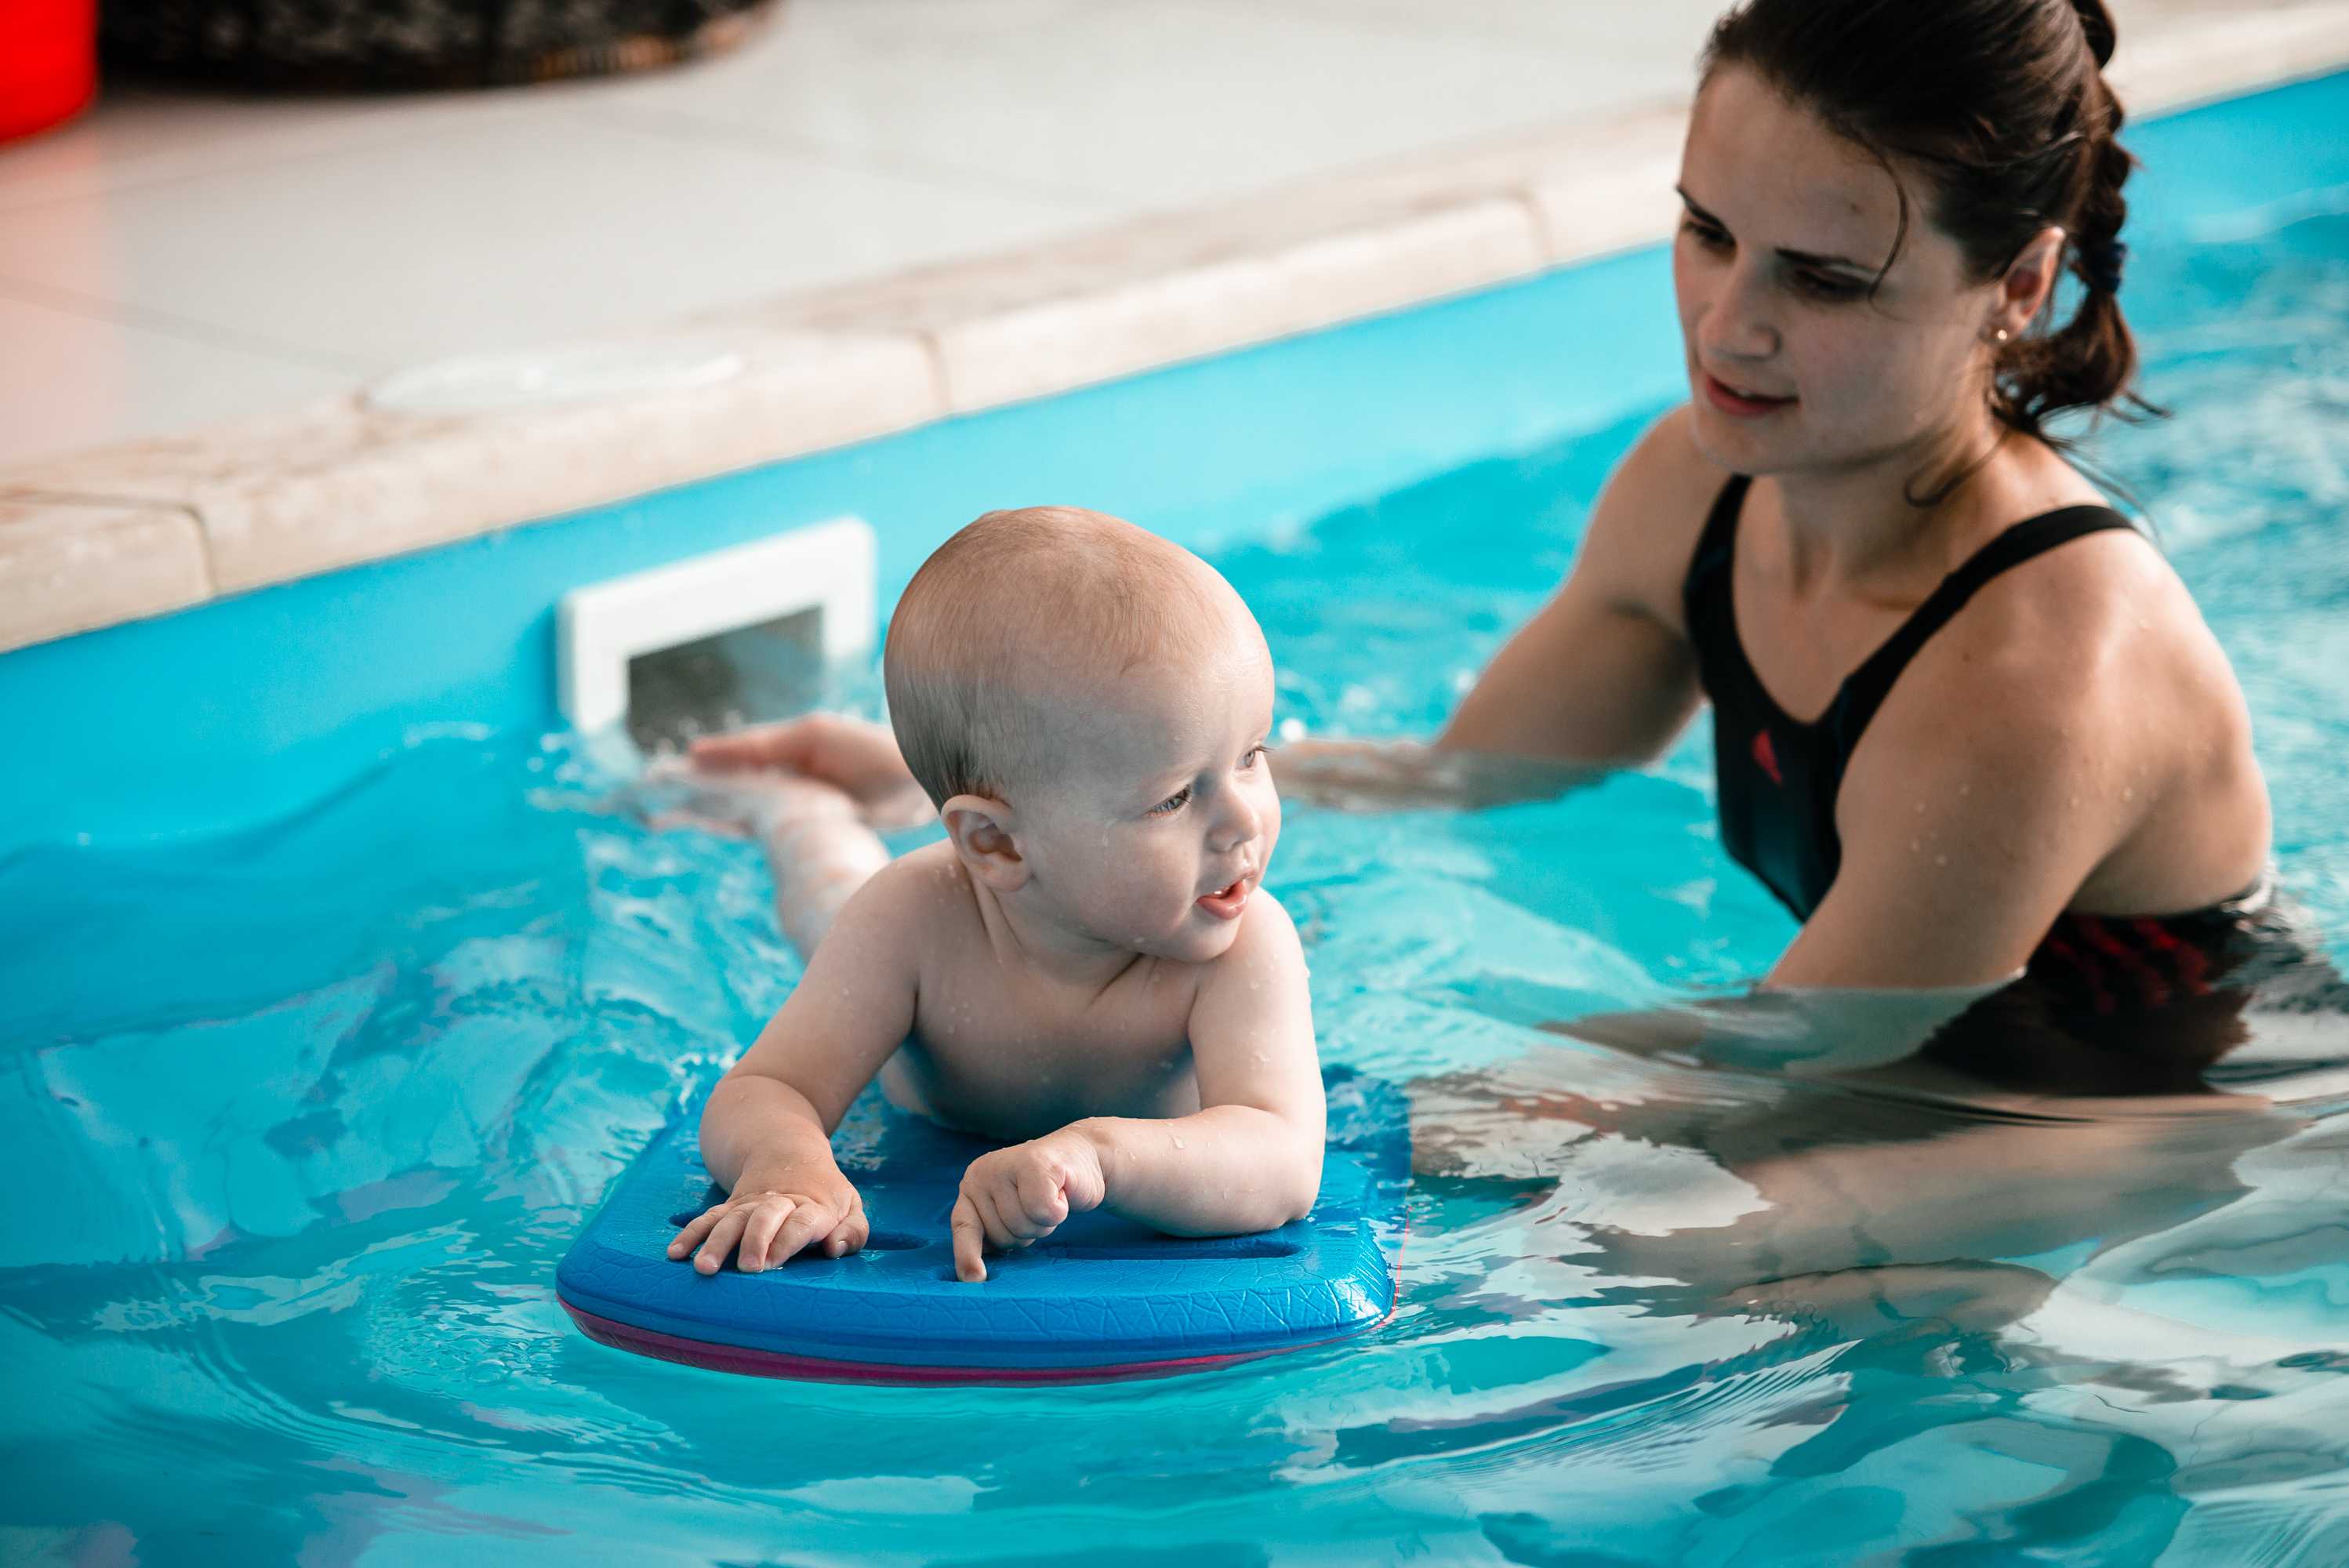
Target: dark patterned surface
{"type": "Point", "coordinates": [356, 43]}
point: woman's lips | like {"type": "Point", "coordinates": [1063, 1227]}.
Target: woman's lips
{"type": "Point", "coordinates": [1225, 904]}
{"type": "Point", "coordinates": [1737, 404]}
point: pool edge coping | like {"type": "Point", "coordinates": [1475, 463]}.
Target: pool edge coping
{"type": "Point", "coordinates": [137, 529]}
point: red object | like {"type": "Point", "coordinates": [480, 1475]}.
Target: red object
{"type": "Point", "coordinates": [779, 1364]}
{"type": "Point", "coordinates": [1766, 756]}
{"type": "Point", "coordinates": [48, 63]}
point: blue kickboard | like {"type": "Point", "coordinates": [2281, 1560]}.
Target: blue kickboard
{"type": "Point", "coordinates": [1100, 1296]}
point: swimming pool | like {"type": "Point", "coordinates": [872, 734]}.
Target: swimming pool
{"type": "Point", "coordinates": [325, 1042]}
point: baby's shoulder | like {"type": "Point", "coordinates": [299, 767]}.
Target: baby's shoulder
{"type": "Point", "coordinates": [1267, 920]}
{"type": "Point", "coordinates": [1268, 945]}
{"type": "Point", "coordinates": [1257, 989]}
{"type": "Point", "coordinates": [921, 897]}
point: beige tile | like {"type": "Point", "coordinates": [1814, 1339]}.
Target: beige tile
{"type": "Point", "coordinates": [140, 136]}
{"type": "Point", "coordinates": [1152, 289]}
{"type": "Point", "coordinates": [1659, 35]}
{"type": "Point", "coordinates": [2212, 52]}
{"type": "Point", "coordinates": [69, 380]}
{"type": "Point", "coordinates": [1627, 195]}
{"type": "Point", "coordinates": [1140, 104]}
{"type": "Point", "coordinates": [495, 233]}
{"type": "Point", "coordinates": [70, 565]}
{"type": "Point", "coordinates": [339, 482]}
{"type": "Point", "coordinates": [1595, 184]}
{"type": "Point", "coordinates": [1215, 303]}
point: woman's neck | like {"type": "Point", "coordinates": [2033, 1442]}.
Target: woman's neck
{"type": "Point", "coordinates": [1857, 526]}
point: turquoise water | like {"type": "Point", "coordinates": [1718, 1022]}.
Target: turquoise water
{"type": "Point", "coordinates": [298, 1120]}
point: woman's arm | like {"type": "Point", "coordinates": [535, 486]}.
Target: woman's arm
{"type": "Point", "coordinates": [1600, 677]}
{"type": "Point", "coordinates": [2075, 740]}
{"type": "Point", "coordinates": [1959, 894]}
{"type": "Point", "coordinates": [2002, 772]}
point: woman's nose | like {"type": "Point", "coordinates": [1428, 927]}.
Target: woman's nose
{"type": "Point", "coordinates": [1737, 324]}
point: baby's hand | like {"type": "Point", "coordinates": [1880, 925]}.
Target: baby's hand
{"type": "Point", "coordinates": [772, 1221]}
{"type": "Point", "coordinates": [1014, 1196]}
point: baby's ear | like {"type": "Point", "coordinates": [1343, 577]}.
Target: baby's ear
{"type": "Point", "coordinates": [981, 829]}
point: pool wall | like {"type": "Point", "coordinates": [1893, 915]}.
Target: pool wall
{"type": "Point", "coordinates": [240, 709]}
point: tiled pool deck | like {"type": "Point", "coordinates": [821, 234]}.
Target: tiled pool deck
{"type": "Point", "coordinates": [890, 210]}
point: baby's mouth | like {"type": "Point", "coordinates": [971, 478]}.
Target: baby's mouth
{"type": "Point", "coordinates": [1225, 903]}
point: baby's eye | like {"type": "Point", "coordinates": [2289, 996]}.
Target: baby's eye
{"type": "Point", "coordinates": [1173, 803]}
{"type": "Point", "coordinates": [1255, 755]}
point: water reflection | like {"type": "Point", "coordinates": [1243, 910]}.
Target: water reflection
{"type": "Point", "coordinates": [1849, 1151]}
{"type": "Point", "coordinates": [1927, 1215]}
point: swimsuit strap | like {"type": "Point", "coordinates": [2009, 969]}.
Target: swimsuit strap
{"type": "Point", "coordinates": [1716, 545]}
{"type": "Point", "coordinates": [1865, 691]}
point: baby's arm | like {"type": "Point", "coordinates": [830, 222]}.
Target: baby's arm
{"type": "Point", "coordinates": [766, 1133]}
{"type": "Point", "coordinates": [1248, 1159]}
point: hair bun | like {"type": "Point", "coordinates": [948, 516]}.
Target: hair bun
{"type": "Point", "coordinates": [2096, 21]}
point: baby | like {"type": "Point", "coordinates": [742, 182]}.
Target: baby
{"type": "Point", "coordinates": [1088, 961]}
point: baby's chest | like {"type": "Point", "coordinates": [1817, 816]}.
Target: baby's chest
{"type": "Point", "coordinates": [1003, 1060]}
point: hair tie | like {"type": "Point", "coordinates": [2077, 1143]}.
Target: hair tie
{"type": "Point", "coordinates": [2101, 262]}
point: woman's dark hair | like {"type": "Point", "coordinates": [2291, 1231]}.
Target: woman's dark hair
{"type": "Point", "coordinates": [2001, 105]}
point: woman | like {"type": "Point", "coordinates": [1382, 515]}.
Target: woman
{"type": "Point", "coordinates": [1967, 719]}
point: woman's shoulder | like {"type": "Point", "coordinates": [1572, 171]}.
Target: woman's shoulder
{"type": "Point", "coordinates": [1665, 475]}
{"type": "Point", "coordinates": [1650, 512]}
{"type": "Point", "coordinates": [2102, 615]}
{"type": "Point", "coordinates": [2074, 720]}
{"type": "Point", "coordinates": [2088, 673]}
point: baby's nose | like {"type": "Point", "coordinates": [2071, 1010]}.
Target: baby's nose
{"type": "Point", "coordinates": [1242, 826]}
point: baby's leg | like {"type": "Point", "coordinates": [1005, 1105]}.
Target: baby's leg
{"type": "Point", "coordinates": [821, 852]}
{"type": "Point", "coordinates": [817, 843]}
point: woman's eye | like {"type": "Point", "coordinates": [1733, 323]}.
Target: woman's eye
{"type": "Point", "coordinates": [1705, 234]}
{"type": "Point", "coordinates": [1821, 286]}
{"type": "Point", "coordinates": [1173, 803]}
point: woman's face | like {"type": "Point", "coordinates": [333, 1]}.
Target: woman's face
{"type": "Point", "coordinates": [1792, 366]}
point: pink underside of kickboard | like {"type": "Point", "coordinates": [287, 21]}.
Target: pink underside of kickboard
{"type": "Point", "coordinates": [779, 1364]}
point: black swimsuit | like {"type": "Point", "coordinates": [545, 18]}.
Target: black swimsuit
{"type": "Point", "coordinates": [1778, 777]}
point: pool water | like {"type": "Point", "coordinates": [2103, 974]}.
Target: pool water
{"type": "Point", "coordinates": [297, 1121]}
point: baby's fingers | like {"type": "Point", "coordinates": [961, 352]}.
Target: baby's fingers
{"type": "Point", "coordinates": [969, 1242]}
{"type": "Point", "coordinates": [1042, 1203]}
{"type": "Point", "coordinates": [694, 1230]}
{"type": "Point", "coordinates": [990, 1207]}
{"type": "Point", "coordinates": [849, 1236]}
{"type": "Point", "coordinates": [759, 1247]}
{"type": "Point", "coordinates": [808, 1222]}
{"type": "Point", "coordinates": [720, 1241]}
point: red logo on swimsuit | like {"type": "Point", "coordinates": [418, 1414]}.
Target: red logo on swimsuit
{"type": "Point", "coordinates": [1767, 756]}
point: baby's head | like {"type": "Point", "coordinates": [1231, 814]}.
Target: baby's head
{"type": "Point", "coordinates": [1087, 705]}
